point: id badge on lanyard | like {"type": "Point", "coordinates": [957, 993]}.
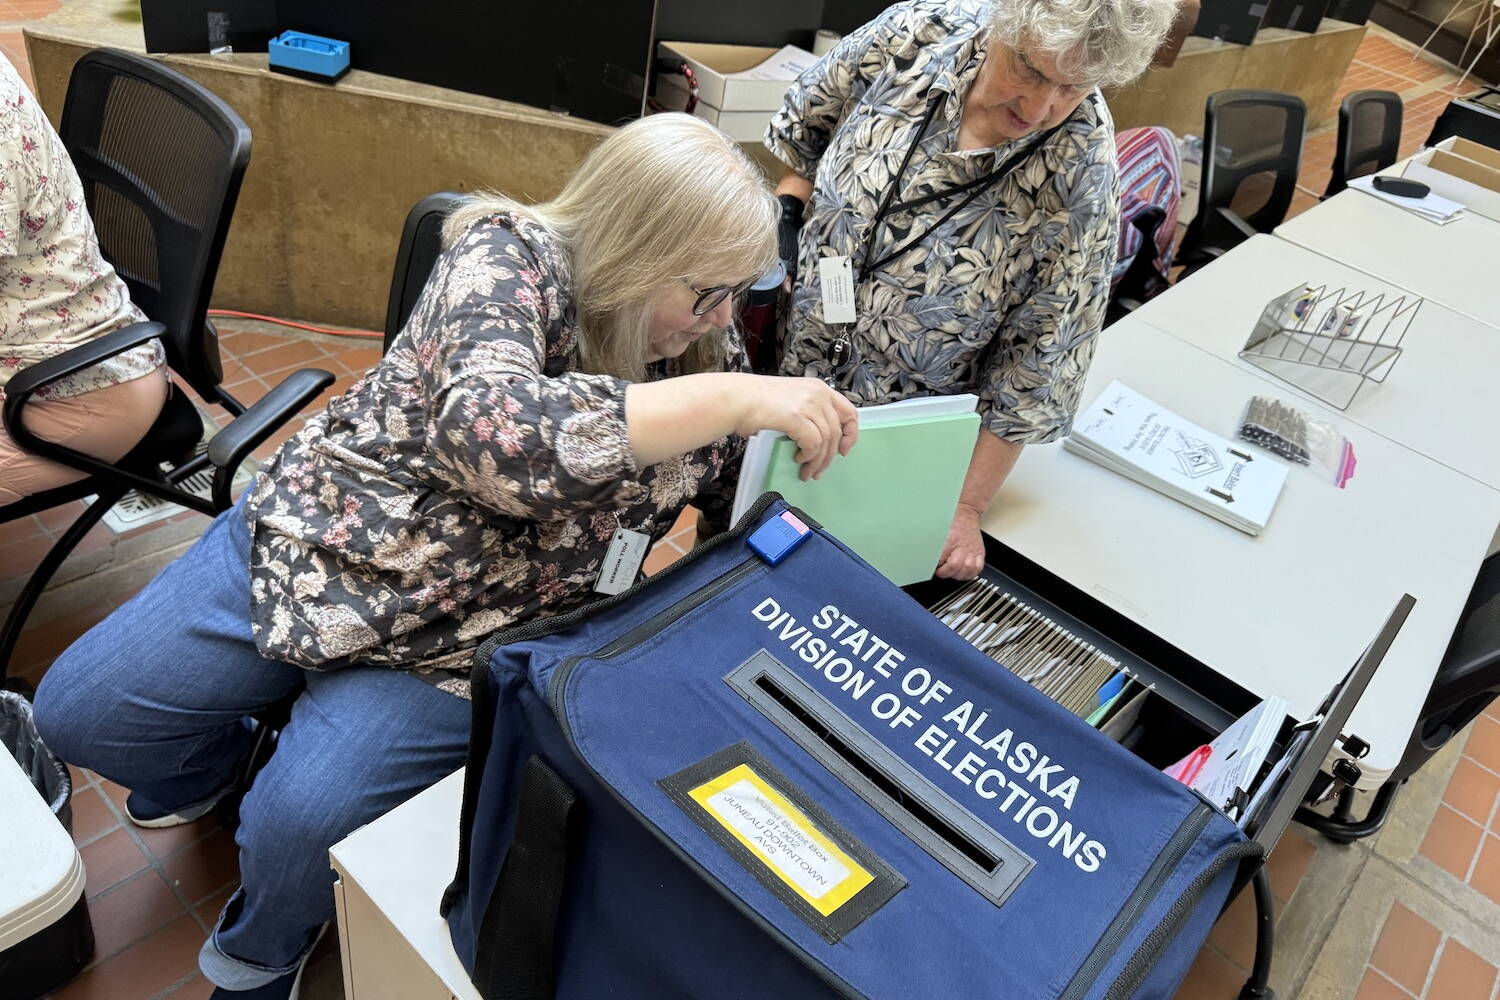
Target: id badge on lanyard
{"type": "Point", "coordinates": [622, 560]}
{"type": "Point", "coordinates": [836, 275]}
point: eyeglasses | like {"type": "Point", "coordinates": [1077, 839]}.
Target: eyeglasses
{"type": "Point", "coordinates": [709, 299]}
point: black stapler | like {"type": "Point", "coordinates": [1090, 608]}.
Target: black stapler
{"type": "Point", "coordinates": [1401, 187]}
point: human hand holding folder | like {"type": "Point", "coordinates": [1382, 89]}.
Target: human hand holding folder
{"type": "Point", "coordinates": [892, 500]}
{"type": "Point", "coordinates": [820, 421]}
{"type": "Point", "coordinates": [669, 416]}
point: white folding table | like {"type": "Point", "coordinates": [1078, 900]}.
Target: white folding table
{"type": "Point", "coordinates": [1438, 398]}
{"type": "Point", "coordinates": [1287, 612]}
{"type": "Point", "coordinates": [1452, 264]}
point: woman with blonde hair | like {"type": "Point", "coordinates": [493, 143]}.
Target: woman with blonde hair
{"type": "Point", "coordinates": [567, 379]}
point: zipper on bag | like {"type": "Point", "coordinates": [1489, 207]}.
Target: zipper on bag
{"type": "Point", "coordinates": [482, 718]}
{"type": "Point", "coordinates": [1140, 963]}
{"type": "Point", "coordinates": [656, 623]}
{"type": "Point", "coordinates": [1161, 870]}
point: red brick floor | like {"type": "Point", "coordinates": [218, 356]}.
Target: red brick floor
{"type": "Point", "coordinates": [1464, 839]}
{"type": "Point", "coordinates": [1382, 62]}
{"type": "Point", "coordinates": [1413, 960]}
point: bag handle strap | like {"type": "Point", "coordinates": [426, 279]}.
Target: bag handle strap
{"type": "Point", "coordinates": [1152, 945]}
{"type": "Point", "coordinates": [517, 936]}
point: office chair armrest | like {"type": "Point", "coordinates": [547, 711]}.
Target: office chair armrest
{"type": "Point", "coordinates": [1243, 228]}
{"type": "Point", "coordinates": [232, 445]}
{"type": "Point", "coordinates": [28, 381]}
{"type": "Point", "coordinates": [1208, 253]}
{"type": "Point", "coordinates": [1246, 230]}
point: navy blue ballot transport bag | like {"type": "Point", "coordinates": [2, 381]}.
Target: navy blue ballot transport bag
{"type": "Point", "coordinates": [740, 779]}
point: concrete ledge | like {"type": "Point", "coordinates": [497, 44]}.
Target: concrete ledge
{"type": "Point", "coordinates": [1293, 62]}
{"type": "Point", "coordinates": [334, 167]}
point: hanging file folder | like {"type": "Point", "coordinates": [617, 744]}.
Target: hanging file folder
{"type": "Point", "coordinates": [893, 497]}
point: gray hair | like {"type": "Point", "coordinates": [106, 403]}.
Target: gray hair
{"type": "Point", "coordinates": [1101, 42]}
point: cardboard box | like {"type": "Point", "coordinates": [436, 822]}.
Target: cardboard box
{"type": "Point", "coordinates": [712, 65]}
{"type": "Point", "coordinates": [739, 107]}
{"type": "Point", "coordinates": [741, 126]}
{"type": "Point", "coordinates": [1460, 169]}
{"type": "Point", "coordinates": [391, 877]}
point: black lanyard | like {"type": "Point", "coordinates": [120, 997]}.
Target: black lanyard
{"type": "Point", "coordinates": [972, 189]}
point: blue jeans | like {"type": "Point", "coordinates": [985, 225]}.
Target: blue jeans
{"type": "Point", "coordinates": [156, 696]}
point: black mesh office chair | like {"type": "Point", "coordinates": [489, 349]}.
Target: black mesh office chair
{"type": "Point", "coordinates": [1369, 136]}
{"type": "Point", "coordinates": [1252, 148]}
{"type": "Point", "coordinates": [1467, 680]}
{"type": "Point", "coordinates": [421, 242]}
{"type": "Point", "coordinates": [1144, 278]}
{"type": "Point", "coordinates": [161, 160]}
{"type": "Point", "coordinates": [417, 253]}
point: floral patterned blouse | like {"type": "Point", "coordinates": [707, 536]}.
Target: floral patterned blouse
{"type": "Point", "coordinates": [56, 291]}
{"type": "Point", "coordinates": [1006, 298]}
{"type": "Point", "coordinates": [471, 481]}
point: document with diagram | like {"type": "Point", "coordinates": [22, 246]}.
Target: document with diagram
{"type": "Point", "coordinates": [1141, 440]}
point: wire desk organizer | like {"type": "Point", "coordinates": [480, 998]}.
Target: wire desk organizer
{"type": "Point", "coordinates": [1330, 342]}
{"type": "Point", "coordinates": [1028, 643]}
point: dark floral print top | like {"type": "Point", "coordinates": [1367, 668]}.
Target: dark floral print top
{"type": "Point", "coordinates": [1006, 298]}
{"type": "Point", "coordinates": [471, 481]}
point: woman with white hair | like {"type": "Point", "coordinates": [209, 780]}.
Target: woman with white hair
{"type": "Point", "coordinates": [559, 391]}
{"type": "Point", "coordinates": [955, 167]}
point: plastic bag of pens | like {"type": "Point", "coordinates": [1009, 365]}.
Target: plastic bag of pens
{"type": "Point", "coordinates": [1297, 437]}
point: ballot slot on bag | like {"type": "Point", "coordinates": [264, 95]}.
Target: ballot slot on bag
{"type": "Point", "coordinates": [838, 764]}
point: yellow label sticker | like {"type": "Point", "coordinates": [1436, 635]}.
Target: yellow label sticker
{"type": "Point", "coordinates": [781, 835]}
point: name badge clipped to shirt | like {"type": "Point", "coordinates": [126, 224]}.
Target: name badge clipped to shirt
{"type": "Point", "coordinates": [836, 276]}
{"type": "Point", "coordinates": [622, 561]}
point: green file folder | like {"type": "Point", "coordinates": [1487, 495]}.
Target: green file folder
{"type": "Point", "coordinates": [892, 498]}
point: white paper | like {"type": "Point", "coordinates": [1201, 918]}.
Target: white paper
{"type": "Point", "coordinates": [917, 408]}
{"type": "Point", "coordinates": [1274, 776]}
{"type": "Point", "coordinates": [1143, 441]}
{"type": "Point", "coordinates": [1239, 752]}
{"type": "Point", "coordinates": [1433, 207]}
{"type": "Point", "coordinates": [836, 282]}
{"type": "Point", "coordinates": [786, 65]}
{"type": "Point", "coordinates": [753, 472]}
{"type": "Point", "coordinates": [778, 838]}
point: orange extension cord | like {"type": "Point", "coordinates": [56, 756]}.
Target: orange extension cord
{"type": "Point", "coordinates": [356, 334]}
